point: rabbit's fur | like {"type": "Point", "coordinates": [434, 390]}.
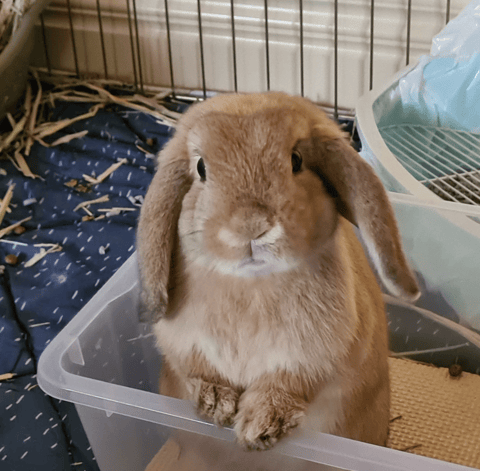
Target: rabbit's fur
{"type": "Point", "coordinates": [265, 307]}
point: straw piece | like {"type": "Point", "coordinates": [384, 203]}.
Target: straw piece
{"type": "Point", "coordinates": [52, 246]}
{"type": "Point", "coordinates": [15, 132]}
{"type": "Point", "coordinates": [43, 253]}
{"type": "Point", "coordinates": [36, 258]}
{"type": "Point", "coordinates": [3, 171]}
{"type": "Point", "coordinates": [6, 376]}
{"type": "Point", "coordinates": [5, 202]}
{"type": "Point", "coordinates": [68, 138]}
{"type": "Point", "coordinates": [11, 120]}
{"type": "Point", "coordinates": [90, 179]}
{"type": "Point", "coordinates": [87, 211]}
{"type": "Point", "coordinates": [104, 175]}
{"type": "Point", "coordinates": [9, 229]}
{"type": "Point", "coordinates": [23, 167]}
{"type": "Point", "coordinates": [148, 154]}
{"type": "Point", "coordinates": [102, 199]}
{"type": "Point", "coordinates": [157, 106]}
{"type": "Point", "coordinates": [59, 125]}
{"type": "Point", "coordinates": [1, 201]}
{"type": "Point", "coordinates": [128, 104]}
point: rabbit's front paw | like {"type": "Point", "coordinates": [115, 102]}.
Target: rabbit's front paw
{"type": "Point", "coordinates": [214, 401]}
{"type": "Point", "coordinates": [262, 419]}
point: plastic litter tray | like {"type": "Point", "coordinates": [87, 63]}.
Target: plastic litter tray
{"type": "Point", "coordinates": [106, 363]}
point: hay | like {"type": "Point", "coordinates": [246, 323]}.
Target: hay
{"type": "Point", "coordinates": [30, 126]}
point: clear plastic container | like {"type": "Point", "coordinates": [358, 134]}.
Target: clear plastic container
{"type": "Point", "coordinates": [106, 362]}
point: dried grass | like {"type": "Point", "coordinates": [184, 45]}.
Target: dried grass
{"type": "Point", "coordinates": [43, 253]}
{"type": "Point", "coordinates": [17, 143]}
{"type": "Point", "coordinates": [104, 175]}
{"type": "Point", "coordinates": [10, 228]}
{"type": "Point", "coordinates": [6, 376]}
{"type": "Point", "coordinates": [5, 202]}
{"type": "Point", "coordinates": [102, 199]}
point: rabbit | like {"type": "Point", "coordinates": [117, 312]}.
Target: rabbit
{"type": "Point", "coordinates": [263, 302]}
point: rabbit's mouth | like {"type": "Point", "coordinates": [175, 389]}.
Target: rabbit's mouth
{"type": "Point", "coordinates": [252, 262]}
{"type": "Point", "coordinates": [262, 265]}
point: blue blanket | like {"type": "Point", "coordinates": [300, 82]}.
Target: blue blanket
{"type": "Point", "coordinates": [36, 302]}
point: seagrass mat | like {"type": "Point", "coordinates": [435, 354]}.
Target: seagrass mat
{"type": "Point", "coordinates": [435, 414]}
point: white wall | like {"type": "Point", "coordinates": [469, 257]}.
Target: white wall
{"type": "Point", "coordinates": [428, 17]}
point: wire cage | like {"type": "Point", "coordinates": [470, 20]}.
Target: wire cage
{"type": "Point", "coordinates": [330, 51]}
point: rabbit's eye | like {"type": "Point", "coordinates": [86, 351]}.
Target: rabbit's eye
{"type": "Point", "coordinates": [201, 170]}
{"type": "Point", "coordinates": [296, 162]}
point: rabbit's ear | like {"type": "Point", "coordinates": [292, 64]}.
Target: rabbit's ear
{"type": "Point", "coordinates": [157, 227]}
{"type": "Point", "coordinates": [362, 200]}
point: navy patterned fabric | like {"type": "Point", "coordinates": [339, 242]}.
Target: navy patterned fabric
{"type": "Point", "coordinates": [38, 432]}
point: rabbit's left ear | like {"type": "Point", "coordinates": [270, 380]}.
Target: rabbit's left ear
{"type": "Point", "coordinates": [362, 199]}
{"type": "Point", "coordinates": [157, 227]}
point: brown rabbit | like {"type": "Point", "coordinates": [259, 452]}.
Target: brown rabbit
{"type": "Point", "coordinates": [265, 307]}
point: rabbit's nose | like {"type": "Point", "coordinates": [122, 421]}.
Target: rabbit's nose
{"type": "Point", "coordinates": [269, 236]}
{"type": "Point", "coordinates": [257, 249]}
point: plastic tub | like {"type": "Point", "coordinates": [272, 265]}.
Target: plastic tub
{"type": "Point", "coordinates": [106, 363]}
{"type": "Point", "coordinates": [15, 59]}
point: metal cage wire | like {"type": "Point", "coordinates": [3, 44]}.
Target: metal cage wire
{"type": "Point", "coordinates": [134, 40]}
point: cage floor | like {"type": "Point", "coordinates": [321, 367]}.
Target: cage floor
{"type": "Point", "coordinates": [444, 160]}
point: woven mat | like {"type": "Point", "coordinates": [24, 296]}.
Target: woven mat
{"type": "Point", "coordinates": [435, 414]}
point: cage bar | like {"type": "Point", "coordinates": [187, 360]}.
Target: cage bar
{"type": "Point", "coordinates": [448, 11]}
{"type": "Point", "coordinates": [335, 59]}
{"type": "Point", "coordinates": [372, 23]}
{"type": "Point", "coordinates": [202, 58]}
{"type": "Point", "coordinates": [45, 48]}
{"type": "Point", "coordinates": [169, 43]}
{"type": "Point", "coordinates": [234, 48]}
{"type": "Point", "coordinates": [409, 25]}
{"type": "Point", "coordinates": [137, 38]}
{"type": "Point", "coordinates": [72, 36]}
{"type": "Point", "coordinates": [302, 75]}
{"type": "Point", "coordinates": [267, 51]}
{"type": "Point", "coordinates": [132, 46]}
{"type": "Point", "coordinates": [102, 38]}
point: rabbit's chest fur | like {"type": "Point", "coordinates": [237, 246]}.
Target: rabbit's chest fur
{"type": "Point", "coordinates": [260, 333]}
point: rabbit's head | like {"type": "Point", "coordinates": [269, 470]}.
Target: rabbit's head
{"type": "Point", "coordinates": [255, 185]}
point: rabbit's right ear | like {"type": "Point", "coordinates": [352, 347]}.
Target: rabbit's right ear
{"type": "Point", "coordinates": [157, 227]}
{"type": "Point", "coordinates": [361, 198]}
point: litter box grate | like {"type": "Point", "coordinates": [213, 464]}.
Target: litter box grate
{"type": "Point", "coordinates": [446, 161]}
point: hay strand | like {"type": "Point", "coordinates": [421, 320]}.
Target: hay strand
{"type": "Point", "coordinates": [105, 174]}
{"type": "Point", "coordinates": [9, 229]}
{"type": "Point", "coordinates": [102, 199]}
